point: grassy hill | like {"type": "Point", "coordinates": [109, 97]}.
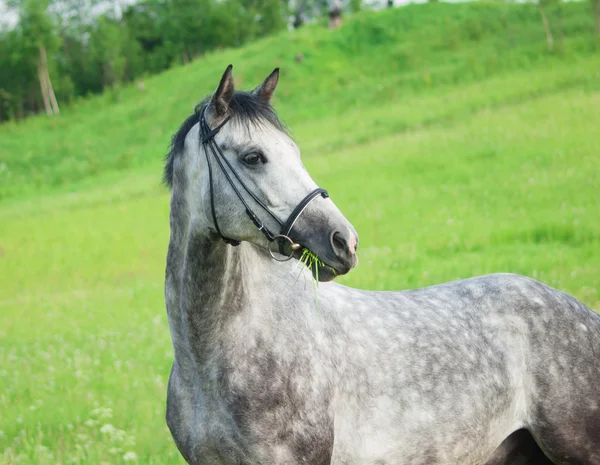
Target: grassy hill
{"type": "Point", "coordinates": [378, 58]}
{"type": "Point", "coordinates": [449, 136]}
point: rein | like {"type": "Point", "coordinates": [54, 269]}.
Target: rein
{"type": "Point", "coordinates": [208, 142]}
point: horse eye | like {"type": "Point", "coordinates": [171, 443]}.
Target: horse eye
{"type": "Point", "coordinates": [252, 158]}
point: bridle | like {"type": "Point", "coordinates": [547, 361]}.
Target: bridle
{"type": "Point", "coordinates": [207, 137]}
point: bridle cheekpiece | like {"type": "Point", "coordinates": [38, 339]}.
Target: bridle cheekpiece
{"type": "Point", "coordinates": [207, 138]}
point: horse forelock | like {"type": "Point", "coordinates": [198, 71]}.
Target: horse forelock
{"type": "Point", "coordinates": [246, 108]}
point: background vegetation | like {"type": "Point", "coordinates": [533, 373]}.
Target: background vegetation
{"type": "Point", "coordinates": [62, 50]}
{"type": "Point", "coordinates": [87, 46]}
{"type": "Point", "coordinates": [450, 135]}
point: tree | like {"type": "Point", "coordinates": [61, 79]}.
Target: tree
{"type": "Point", "coordinates": [38, 33]}
{"type": "Point", "coordinates": [549, 38]}
{"type": "Point", "coordinates": [105, 49]}
{"type": "Point", "coordinates": [60, 49]}
{"type": "Point", "coordinates": [19, 84]}
{"type": "Point", "coordinates": [149, 48]}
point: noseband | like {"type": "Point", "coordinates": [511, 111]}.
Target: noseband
{"type": "Point", "coordinates": [207, 136]}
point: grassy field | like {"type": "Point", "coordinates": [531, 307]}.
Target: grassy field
{"type": "Point", "coordinates": [456, 157]}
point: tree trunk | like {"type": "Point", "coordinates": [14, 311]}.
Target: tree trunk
{"type": "Point", "coordinates": [32, 107]}
{"type": "Point", "coordinates": [46, 85]}
{"type": "Point", "coordinates": [43, 85]}
{"type": "Point", "coordinates": [5, 109]}
{"type": "Point", "coordinates": [53, 101]}
{"type": "Point", "coordinates": [549, 37]}
{"type": "Point", "coordinates": [19, 107]}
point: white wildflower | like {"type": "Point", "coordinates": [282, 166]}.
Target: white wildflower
{"type": "Point", "coordinates": [107, 429]}
{"type": "Point", "coordinates": [118, 435]}
{"type": "Point", "coordinates": [130, 456]}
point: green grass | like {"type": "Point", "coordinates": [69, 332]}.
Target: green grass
{"type": "Point", "coordinates": [484, 171]}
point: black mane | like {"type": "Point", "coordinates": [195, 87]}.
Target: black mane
{"type": "Point", "coordinates": [245, 107]}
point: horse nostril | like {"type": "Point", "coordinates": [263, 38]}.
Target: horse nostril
{"type": "Point", "coordinates": [338, 242]}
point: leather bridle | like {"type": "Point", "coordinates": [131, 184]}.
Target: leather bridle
{"type": "Point", "coordinates": [207, 137]}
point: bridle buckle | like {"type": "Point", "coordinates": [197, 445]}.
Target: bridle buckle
{"type": "Point", "coordinates": [275, 254]}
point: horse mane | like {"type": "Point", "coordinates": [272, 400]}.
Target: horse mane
{"type": "Point", "coordinates": [245, 107]}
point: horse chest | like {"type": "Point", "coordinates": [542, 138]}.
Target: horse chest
{"type": "Point", "coordinates": [280, 407]}
{"type": "Point", "coordinates": [260, 409]}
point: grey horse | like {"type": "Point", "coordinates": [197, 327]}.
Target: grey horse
{"type": "Point", "coordinates": [491, 370]}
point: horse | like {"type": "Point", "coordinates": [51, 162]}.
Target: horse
{"type": "Point", "coordinates": [492, 370]}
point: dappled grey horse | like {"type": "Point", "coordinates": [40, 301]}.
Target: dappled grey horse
{"type": "Point", "coordinates": [497, 369]}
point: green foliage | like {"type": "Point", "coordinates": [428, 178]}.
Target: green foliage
{"type": "Point", "coordinates": [36, 27]}
{"type": "Point", "coordinates": [106, 53]}
{"type": "Point", "coordinates": [454, 150]}
{"type": "Point", "coordinates": [88, 53]}
{"type": "Point", "coordinates": [21, 53]}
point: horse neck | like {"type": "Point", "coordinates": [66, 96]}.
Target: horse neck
{"type": "Point", "coordinates": [207, 282]}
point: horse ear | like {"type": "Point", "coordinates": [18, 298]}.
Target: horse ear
{"type": "Point", "coordinates": [266, 89]}
{"type": "Point", "coordinates": [219, 103]}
